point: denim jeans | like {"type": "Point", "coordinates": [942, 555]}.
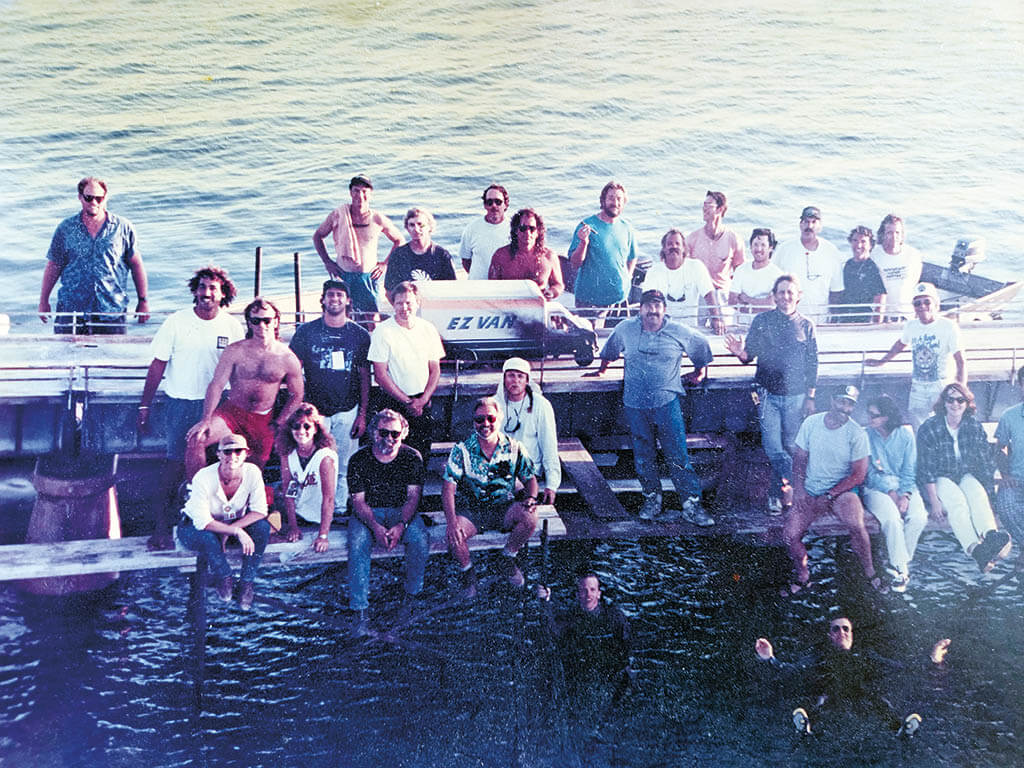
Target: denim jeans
{"type": "Point", "coordinates": [209, 543]}
{"type": "Point", "coordinates": [780, 417]}
{"type": "Point", "coordinates": [360, 543]}
{"type": "Point", "coordinates": [666, 425]}
{"type": "Point", "coordinates": [1010, 506]}
{"type": "Point", "coordinates": [340, 427]}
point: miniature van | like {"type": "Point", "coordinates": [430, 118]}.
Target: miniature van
{"type": "Point", "coordinates": [488, 319]}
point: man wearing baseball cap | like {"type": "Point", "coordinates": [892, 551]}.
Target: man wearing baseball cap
{"type": "Point", "coordinates": [934, 343]}
{"type": "Point", "coordinates": [816, 262]}
{"type": "Point", "coordinates": [530, 419]}
{"type": "Point", "coordinates": [830, 463]}
{"type": "Point", "coordinates": [356, 229]}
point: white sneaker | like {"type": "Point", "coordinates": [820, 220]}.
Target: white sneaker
{"type": "Point", "coordinates": [900, 582]}
{"type": "Point", "coordinates": [774, 506]}
{"type": "Point", "coordinates": [801, 721]}
{"type": "Point", "coordinates": [910, 725]}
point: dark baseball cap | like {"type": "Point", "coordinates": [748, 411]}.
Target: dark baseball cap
{"type": "Point", "coordinates": [652, 295]}
{"type": "Point", "coordinates": [336, 285]}
{"type": "Point", "coordinates": [811, 212]}
{"type": "Point", "coordinates": [360, 180]}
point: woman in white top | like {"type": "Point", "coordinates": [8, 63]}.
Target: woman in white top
{"type": "Point", "coordinates": [309, 473]}
{"type": "Point", "coordinates": [228, 499]}
{"type": "Point", "coordinates": [752, 284]}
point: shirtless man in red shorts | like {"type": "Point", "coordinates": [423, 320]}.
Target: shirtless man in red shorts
{"type": "Point", "coordinates": [255, 368]}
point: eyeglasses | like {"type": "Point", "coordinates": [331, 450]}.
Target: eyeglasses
{"type": "Point", "coordinates": [494, 201]}
{"type": "Point", "coordinates": [230, 451]}
{"type": "Point", "coordinates": [837, 628]}
{"type": "Point", "coordinates": [394, 434]}
{"type": "Point", "coordinates": [93, 198]}
{"type": "Point", "coordinates": [304, 427]}
{"type": "Point", "coordinates": [261, 320]}
{"type": "Point", "coordinates": [957, 400]}
{"type": "Point", "coordinates": [490, 418]}
{"type": "Point", "coordinates": [527, 228]}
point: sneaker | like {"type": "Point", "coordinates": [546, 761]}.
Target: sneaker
{"type": "Point", "coordinates": [801, 721]}
{"type": "Point", "coordinates": [512, 573]}
{"type": "Point", "coordinates": [469, 583]}
{"type": "Point", "coordinates": [774, 506]}
{"type": "Point", "coordinates": [994, 545]}
{"type": "Point", "coordinates": [650, 508]}
{"type": "Point", "coordinates": [900, 582]}
{"type": "Point", "coordinates": [224, 589]}
{"type": "Point", "coordinates": [910, 725]}
{"type": "Point", "coordinates": [694, 513]}
{"type": "Point", "coordinates": [246, 595]}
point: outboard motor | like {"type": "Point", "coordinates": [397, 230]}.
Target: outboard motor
{"type": "Point", "coordinates": [967, 253]}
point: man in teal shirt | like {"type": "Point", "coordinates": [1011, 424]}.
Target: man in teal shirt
{"type": "Point", "coordinates": [603, 251]}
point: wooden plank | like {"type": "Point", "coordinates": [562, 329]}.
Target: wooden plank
{"type": "Point", "coordinates": [590, 483]}
{"type": "Point", "coordinates": [69, 558]}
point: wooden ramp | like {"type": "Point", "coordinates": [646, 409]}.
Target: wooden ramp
{"type": "Point", "coordinates": [71, 558]}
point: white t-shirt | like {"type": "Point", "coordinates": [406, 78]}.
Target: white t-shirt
{"type": "Point", "coordinates": [407, 352]}
{"type": "Point", "coordinates": [830, 451]}
{"type": "Point", "coordinates": [819, 271]}
{"type": "Point", "coordinates": [932, 347]}
{"type": "Point", "coordinates": [756, 283]}
{"type": "Point", "coordinates": [480, 239]}
{"type": "Point", "coordinates": [900, 274]}
{"type": "Point", "coordinates": [208, 502]}
{"type": "Point", "coordinates": [191, 348]}
{"type": "Point", "coordinates": [309, 502]}
{"type": "Point", "coordinates": [683, 288]}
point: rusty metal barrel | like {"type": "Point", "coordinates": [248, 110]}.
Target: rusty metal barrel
{"type": "Point", "coordinates": [76, 499]}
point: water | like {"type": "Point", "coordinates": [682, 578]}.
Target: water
{"type": "Point", "coordinates": [221, 129]}
{"type": "Point", "coordinates": [109, 683]}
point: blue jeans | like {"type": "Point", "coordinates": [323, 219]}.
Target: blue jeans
{"type": "Point", "coordinates": [209, 543]}
{"type": "Point", "coordinates": [180, 415]}
{"type": "Point", "coordinates": [666, 425]}
{"type": "Point", "coordinates": [780, 417]}
{"type": "Point", "coordinates": [361, 541]}
{"type": "Point", "coordinates": [1010, 506]}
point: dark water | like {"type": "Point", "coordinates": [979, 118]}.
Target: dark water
{"type": "Point", "coordinates": [110, 682]}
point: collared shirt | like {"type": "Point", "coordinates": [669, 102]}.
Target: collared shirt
{"type": "Point", "coordinates": [786, 350]}
{"type": "Point", "coordinates": [493, 480]}
{"type": "Point", "coordinates": [653, 359]}
{"type": "Point", "coordinates": [94, 270]}
{"type": "Point", "coordinates": [893, 460]}
{"type": "Point", "coordinates": [936, 453]}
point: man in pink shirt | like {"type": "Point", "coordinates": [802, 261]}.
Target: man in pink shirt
{"type": "Point", "coordinates": [720, 249]}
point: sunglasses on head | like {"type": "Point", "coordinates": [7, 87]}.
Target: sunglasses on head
{"type": "Point", "coordinates": [93, 198]}
{"type": "Point", "coordinates": [489, 418]}
{"type": "Point", "coordinates": [261, 320]}
{"type": "Point", "coordinates": [394, 434]}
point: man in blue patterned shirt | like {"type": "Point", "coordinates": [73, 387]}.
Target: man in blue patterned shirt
{"type": "Point", "coordinates": [479, 492]}
{"type": "Point", "coordinates": [91, 254]}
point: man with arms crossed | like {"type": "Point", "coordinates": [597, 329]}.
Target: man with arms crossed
{"type": "Point", "coordinates": [255, 368]}
{"type": "Point", "coordinates": [91, 253]}
{"type": "Point", "coordinates": [185, 351]}
{"type": "Point", "coordinates": [482, 237]}
{"type": "Point", "coordinates": [356, 228]}
{"type": "Point", "coordinates": [332, 350]}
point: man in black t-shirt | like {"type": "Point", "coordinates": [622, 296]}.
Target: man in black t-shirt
{"type": "Point", "coordinates": [385, 483]}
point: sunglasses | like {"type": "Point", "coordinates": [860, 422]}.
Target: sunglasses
{"type": "Point", "coordinates": [958, 400]}
{"type": "Point", "coordinates": [527, 228]}
{"type": "Point", "coordinates": [230, 451]}
{"type": "Point", "coordinates": [874, 415]}
{"type": "Point", "coordinates": [922, 302]}
{"type": "Point", "coordinates": [261, 320]}
{"type": "Point", "coordinates": [93, 198]}
{"type": "Point", "coordinates": [493, 201]}
{"type": "Point", "coordinates": [394, 434]}
{"type": "Point", "coordinates": [488, 419]}
{"type": "Point", "coordinates": [303, 427]}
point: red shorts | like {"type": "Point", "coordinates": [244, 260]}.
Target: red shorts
{"type": "Point", "coordinates": [254, 427]}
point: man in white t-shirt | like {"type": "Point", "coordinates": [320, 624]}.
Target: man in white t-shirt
{"type": "Point", "coordinates": [816, 262]}
{"type": "Point", "coordinates": [935, 347]}
{"type": "Point", "coordinates": [406, 353]}
{"type": "Point", "coordinates": [185, 351]}
{"type": "Point", "coordinates": [900, 265]}
{"type": "Point", "coordinates": [482, 237]}
{"type": "Point", "coordinates": [685, 281]}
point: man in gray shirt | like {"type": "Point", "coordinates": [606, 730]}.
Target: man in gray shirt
{"type": "Point", "coordinates": [653, 346]}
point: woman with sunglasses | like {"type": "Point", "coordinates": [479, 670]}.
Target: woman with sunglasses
{"type": "Point", "coordinates": [890, 493]}
{"type": "Point", "coordinates": [309, 473]}
{"type": "Point", "coordinates": [228, 499]}
{"type": "Point", "coordinates": [955, 469]}
{"type": "Point", "coordinates": [526, 257]}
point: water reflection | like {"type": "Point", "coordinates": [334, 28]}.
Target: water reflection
{"type": "Point", "coordinates": [105, 682]}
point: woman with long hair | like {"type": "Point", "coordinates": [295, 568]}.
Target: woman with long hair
{"type": "Point", "coordinates": [309, 473]}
